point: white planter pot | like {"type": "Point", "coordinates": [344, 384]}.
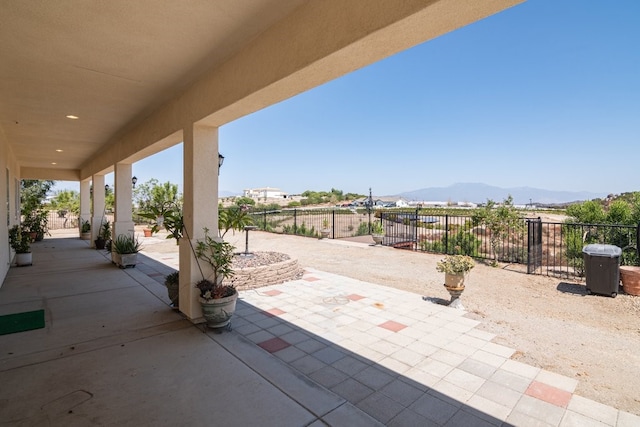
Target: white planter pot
{"type": "Point", "coordinates": [85, 236]}
{"type": "Point", "coordinates": [24, 259]}
{"type": "Point", "coordinates": [124, 260]}
{"type": "Point", "coordinates": [218, 312]}
{"type": "Point", "coordinates": [377, 238]}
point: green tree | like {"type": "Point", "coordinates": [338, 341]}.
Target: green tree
{"type": "Point", "coordinates": [589, 212]}
{"type": "Point", "coordinates": [152, 194]}
{"type": "Point", "coordinates": [248, 201]}
{"type": "Point", "coordinates": [33, 193]}
{"type": "Point", "coordinates": [502, 221]}
{"type": "Point", "coordinates": [66, 199]}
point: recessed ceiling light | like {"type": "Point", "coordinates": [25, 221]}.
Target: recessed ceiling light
{"type": "Point", "coordinates": [72, 117]}
{"type": "Point", "coordinates": [53, 163]}
{"type": "Point", "coordinates": [59, 150]}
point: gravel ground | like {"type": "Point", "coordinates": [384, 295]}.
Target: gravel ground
{"type": "Point", "coordinates": [551, 322]}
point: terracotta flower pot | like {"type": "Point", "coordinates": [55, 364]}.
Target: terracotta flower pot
{"type": "Point", "coordinates": [630, 277]}
{"type": "Point", "coordinates": [147, 232]}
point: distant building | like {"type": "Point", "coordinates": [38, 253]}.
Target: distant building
{"type": "Point", "coordinates": [264, 193]}
{"type": "Point", "coordinates": [383, 202]}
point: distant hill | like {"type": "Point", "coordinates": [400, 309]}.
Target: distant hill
{"type": "Point", "coordinates": [479, 193]}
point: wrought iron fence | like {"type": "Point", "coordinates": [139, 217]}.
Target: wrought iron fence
{"type": "Point", "coordinates": [63, 219]}
{"type": "Point", "coordinates": [58, 219]}
{"type": "Point", "coordinates": [546, 248]}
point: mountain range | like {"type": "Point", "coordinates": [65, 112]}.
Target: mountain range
{"type": "Point", "coordinates": [479, 193]}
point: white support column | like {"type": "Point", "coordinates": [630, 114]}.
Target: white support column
{"type": "Point", "coordinates": [200, 210]}
{"type": "Point", "coordinates": [98, 207]}
{"type": "Point", "coordinates": [85, 203]}
{"type": "Point", "coordinates": [123, 223]}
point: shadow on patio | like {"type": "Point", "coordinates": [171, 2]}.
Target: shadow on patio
{"type": "Point", "coordinates": [314, 351]}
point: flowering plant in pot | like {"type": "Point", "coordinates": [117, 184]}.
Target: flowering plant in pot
{"type": "Point", "coordinates": [218, 295]}
{"type": "Point", "coordinates": [455, 268]}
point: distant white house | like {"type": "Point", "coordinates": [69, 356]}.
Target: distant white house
{"type": "Point", "coordinates": [383, 202]}
{"type": "Point", "coordinates": [264, 193]}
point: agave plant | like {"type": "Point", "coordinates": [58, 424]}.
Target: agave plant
{"type": "Point", "coordinates": [126, 244]}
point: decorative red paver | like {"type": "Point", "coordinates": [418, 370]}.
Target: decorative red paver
{"type": "Point", "coordinates": [273, 312]}
{"type": "Point", "coordinates": [311, 279]}
{"type": "Point", "coordinates": [273, 292]}
{"type": "Point", "coordinates": [274, 344]}
{"type": "Point", "coordinates": [355, 297]}
{"type": "Point", "coordinates": [549, 394]}
{"type": "Point", "coordinates": [392, 326]}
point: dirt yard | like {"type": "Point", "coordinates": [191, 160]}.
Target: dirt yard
{"type": "Point", "coordinates": [551, 323]}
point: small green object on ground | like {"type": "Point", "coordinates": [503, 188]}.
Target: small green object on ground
{"type": "Point", "coordinates": [20, 322]}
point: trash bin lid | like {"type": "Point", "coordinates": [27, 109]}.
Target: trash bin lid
{"type": "Point", "coordinates": [597, 249]}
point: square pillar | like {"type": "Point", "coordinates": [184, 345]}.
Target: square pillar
{"type": "Point", "coordinates": [123, 222]}
{"type": "Point", "coordinates": [200, 210]}
{"type": "Point", "coordinates": [98, 207]}
{"type": "Point", "coordinates": [85, 203]}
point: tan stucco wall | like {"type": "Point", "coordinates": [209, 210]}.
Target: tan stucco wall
{"type": "Point", "coordinates": [7, 161]}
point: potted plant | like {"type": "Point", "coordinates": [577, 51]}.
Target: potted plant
{"type": "Point", "coordinates": [167, 216]}
{"type": "Point", "coordinates": [377, 232]}
{"type": "Point", "coordinates": [124, 250]}
{"type": "Point", "coordinates": [325, 231]}
{"type": "Point", "coordinates": [21, 243]}
{"type": "Point", "coordinates": [455, 268]}
{"type": "Point", "coordinates": [85, 230]}
{"type": "Point", "coordinates": [217, 296]}
{"type": "Point", "coordinates": [35, 222]}
{"type": "Point", "coordinates": [103, 235]}
{"type": "Point", "coordinates": [172, 282]}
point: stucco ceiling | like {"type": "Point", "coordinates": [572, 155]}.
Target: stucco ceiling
{"type": "Point", "coordinates": [111, 63]}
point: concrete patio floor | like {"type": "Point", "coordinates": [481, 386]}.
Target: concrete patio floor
{"type": "Point", "coordinates": [321, 350]}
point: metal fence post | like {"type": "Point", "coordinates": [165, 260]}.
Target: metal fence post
{"type": "Point", "coordinates": [446, 234]}
{"type": "Point", "coordinates": [415, 230]}
{"type": "Point", "coordinates": [333, 224]}
{"type": "Point", "coordinates": [295, 221]}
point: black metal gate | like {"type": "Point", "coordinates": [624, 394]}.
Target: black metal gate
{"type": "Point", "coordinates": [534, 245]}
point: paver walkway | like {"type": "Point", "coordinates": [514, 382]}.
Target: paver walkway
{"type": "Point", "coordinates": [401, 359]}
{"type": "Point", "coordinates": [406, 361]}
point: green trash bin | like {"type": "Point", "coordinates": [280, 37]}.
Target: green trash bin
{"type": "Point", "coordinates": [602, 269]}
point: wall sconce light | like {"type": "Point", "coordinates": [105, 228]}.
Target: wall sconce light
{"type": "Point", "coordinates": [106, 189]}
{"type": "Point", "coordinates": [133, 181]}
{"type": "Point", "coordinates": [220, 162]}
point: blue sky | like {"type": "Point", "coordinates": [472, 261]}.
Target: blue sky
{"type": "Point", "coordinates": [545, 95]}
